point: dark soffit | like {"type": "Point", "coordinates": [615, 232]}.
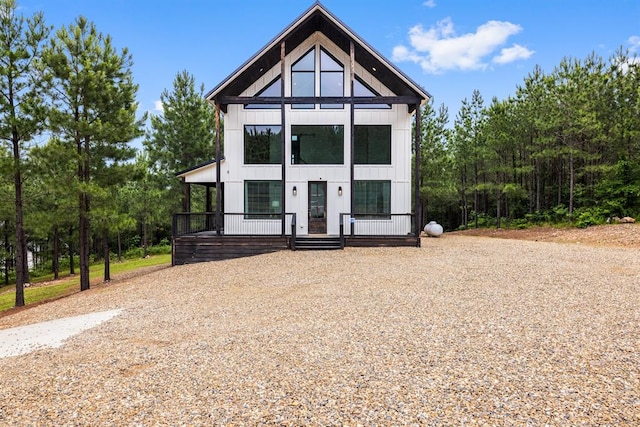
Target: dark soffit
{"type": "Point", "coordinates": [317, 18]}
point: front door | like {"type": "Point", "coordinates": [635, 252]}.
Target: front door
{"type": "Point", "coordinates": [318, 207]}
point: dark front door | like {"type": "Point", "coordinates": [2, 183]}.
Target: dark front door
{"type": "Point", "coordinates": [317, 208]}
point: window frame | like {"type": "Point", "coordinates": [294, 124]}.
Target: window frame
{"type": "Point", "coordinates": [379, 214]}
{"type": "Point", "coordinates": [269, 213]}
{"type": "Point", "coordinates": [358, 143]}
{"type": "Point", "coordinates": [295, 140]}
{"type": "Point", "coordinates": [304, 72]}
{"type": "Point", "coordinates": [261, 93]}
{"type": "Point", "coordinates": [279, 145]}
{"type": "Point", "coordinates": [330, 72]}
{"type": "Point", "coordinates": [368, 88]}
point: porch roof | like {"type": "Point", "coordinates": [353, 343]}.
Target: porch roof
{"type": "Point", "coordinates": [204, 173]}
{"type": "Point", "coordinates": [317, 18]}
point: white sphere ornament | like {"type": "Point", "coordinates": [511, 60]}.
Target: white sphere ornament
{"type": "Point", "coordinates": [433, 229]}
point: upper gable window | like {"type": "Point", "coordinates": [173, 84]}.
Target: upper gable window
{"type": "Point", "coordinates": [331, 78]}
{"type": "Point", "coordinates": [303, 81]}
{"type": "Point", "coordinates": [307, 79]}
{"type": "Point", "coordinates": [361, 89]}
{"type": "Point", "coordinates": [272, 89]}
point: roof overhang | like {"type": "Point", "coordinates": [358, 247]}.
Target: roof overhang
{"type": "Point", "coordinates": [317, 18]}
{"type": "Point", "coordinates": [204, 173]}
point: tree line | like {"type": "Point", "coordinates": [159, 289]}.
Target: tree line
{"type": "Point", "coordinates": [73, 185]}
{"type": "Point", "coordinates": [564, 148]}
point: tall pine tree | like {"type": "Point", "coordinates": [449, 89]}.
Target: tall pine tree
{"type": "Point", "coordinates": [22, 92]}
{"type": "Point", "coordinates": [94, 110]}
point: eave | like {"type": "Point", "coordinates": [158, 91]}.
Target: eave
{"type": "Point", "coordinates": [317, 18]}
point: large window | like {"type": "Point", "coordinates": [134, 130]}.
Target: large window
{"type": "Point", "coordinates": [262, 144]}
{"type": "Point", "coordinates": [303, 78]}
{"type": "Point", "coordinates": [372, 199]}
{"type": "Point", "coordinates": [372, 145]}
{"type": "Point", "coordinates": [272, 89]}
{"type": "Point", "coordinates": [317, 145]}
{"type": "Point", "coordinates": [262, 199]}
{"type": "Point", "coordinates": [361, 89]}
{"type": "Point", "coordinates": [330, 77]}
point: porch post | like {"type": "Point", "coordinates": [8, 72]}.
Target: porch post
{"type": "Point", "coordinates": [352, 62]}
{"type": "Point", "coordinates": [186, 198]}
{"type": "Point", "coordinates": [416, 184]}
{"type": "Point", "coordinates": [218, 192]}
{"type": "Point", "coordinates": [283, 133]}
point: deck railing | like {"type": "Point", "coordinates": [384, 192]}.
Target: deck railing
{"type": "Point", "coordinates": [233, 224]}
{"type": "Point", "coordinates": [377, 225]}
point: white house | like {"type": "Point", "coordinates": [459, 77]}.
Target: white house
{"type": "Point", "coordinates": [317, 139]}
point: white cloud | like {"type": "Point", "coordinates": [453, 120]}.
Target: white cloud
{"type": "Point", "coordinates": [158, 106]}
{"type": "Point", "coordinates": [634, 41]}
{"type": "Point", "coordinates": [430, 3]}
{"type": "Point", "coordinates": [513, 53]}
{"type": "Point", "coordinates": [439, 48]}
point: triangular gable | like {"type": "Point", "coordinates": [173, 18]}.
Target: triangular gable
{"type": "Point", "coordinates": [317, 18]}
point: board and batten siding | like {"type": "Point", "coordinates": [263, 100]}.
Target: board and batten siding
{"type": "Point", "coordinates": [234, 172]}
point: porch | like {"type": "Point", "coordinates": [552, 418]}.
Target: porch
{"type": "Point", "coordinates": [201, 237]}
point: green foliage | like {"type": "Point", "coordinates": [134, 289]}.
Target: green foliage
{"type": "Point", "coordinates": [587, 217]}
{"type": "Point", "coordinates": [181, 137]}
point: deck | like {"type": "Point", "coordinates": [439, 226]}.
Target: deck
{"type": "Point", "coordinates": [197, 238]}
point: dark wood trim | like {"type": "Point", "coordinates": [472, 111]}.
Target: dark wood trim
{"type": "Point", "coordinates": [418, 138]}
{"type": "Point", "coordinates": [283, 133]}
{"type": "Point", "coordinates": [352, 144]}
{"type": "Point", "coordinates": [410, 100]}
{"type": "Point", "coordinates": [218, 179]}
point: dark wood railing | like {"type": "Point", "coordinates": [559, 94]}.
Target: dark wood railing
{"type": "Point", "coordinates": [391, 225]}
{"type": "Point", "coordinates": [234, 224]}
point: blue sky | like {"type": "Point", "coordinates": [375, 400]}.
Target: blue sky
{"type": "Point", "coordinates": [449, 47]}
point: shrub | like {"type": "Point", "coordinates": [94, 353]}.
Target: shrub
{"type": "Point", "coordinates": [588, 217]}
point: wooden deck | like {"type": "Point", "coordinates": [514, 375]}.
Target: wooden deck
{"type": "Point", "coordinates": [190, 249]}
{"type": "Point", "coordinates": [207, 246]}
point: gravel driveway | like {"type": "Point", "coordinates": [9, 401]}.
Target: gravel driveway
{"type": "Point", "coordinates": [465, 330]}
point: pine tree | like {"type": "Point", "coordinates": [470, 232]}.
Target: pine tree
{"type": "Point", "coordinates": [182, 136]}
{"type": "Point", "coordinates": [22, 92]}
{"type": "Point", "coordinates": [94, 110]}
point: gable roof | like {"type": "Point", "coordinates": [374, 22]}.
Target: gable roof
{"type": "Point", "coordinates": [317, 18]}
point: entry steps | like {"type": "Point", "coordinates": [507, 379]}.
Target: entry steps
{"type": "Point", "coordinates": [317, 242]}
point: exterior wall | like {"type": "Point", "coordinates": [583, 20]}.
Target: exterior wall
{"type": "Point", "coordinates": [234, 172]}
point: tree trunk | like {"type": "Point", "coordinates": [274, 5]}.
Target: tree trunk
{"type": "Point", "coordinates": [571, 182]}
{"type": "Point", "coordinates": [84, 242]}
{"type": "Point", "coordinates": [72, 268]}
{"type": "Point", "coordinates": [105, 249]}
{"type": "Point", "coordinates": [22, 268]}
{"type": "Point", "coordinates": [7, 258]}
{"type": "Point", "coordinates": [84, 203]}
{"type": "Point", "coordinates": [498, 212]}
{"type": "Point", "coordinates": [119, 248]}
{"type": "Point", "coordinates": [145, 236]}
{"type": "Point", "coordinates": [55, 262]}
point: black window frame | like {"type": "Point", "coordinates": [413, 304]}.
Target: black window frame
{"type": "Point", "coordinates": [297, 137]}
{"type": "Point", "coordinates": [363, 146]}
{"type": "Point", "coordinates": [264, 212]}
{"type": "Point", "coordinates": [277, 141]}
{"type": "Point", "coordinates": [382, 209]}
{"type": "Point", "coordinates": [261, 93]}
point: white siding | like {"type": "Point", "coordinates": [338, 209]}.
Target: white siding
{"type": "Point", "coordinates": [235, 172]}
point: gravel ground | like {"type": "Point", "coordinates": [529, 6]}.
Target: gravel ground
{"type": "Point", "coordinates": [465, 331]}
